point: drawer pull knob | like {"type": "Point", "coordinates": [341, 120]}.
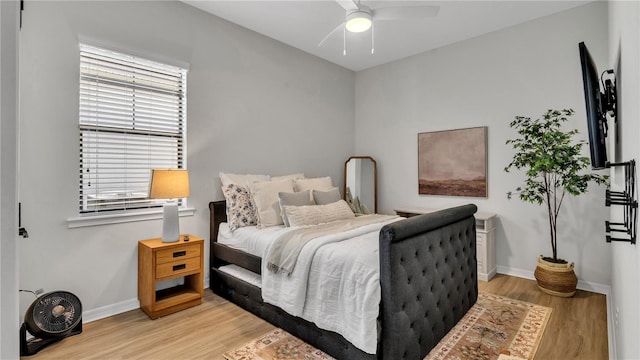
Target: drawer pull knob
{"type": "Point", "coordinates": [179, 253]}
{"type": "Point", "coordinates": [179, 267]}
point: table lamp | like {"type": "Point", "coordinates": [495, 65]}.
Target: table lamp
{"type": "Point", "coordinates": [170, 184]}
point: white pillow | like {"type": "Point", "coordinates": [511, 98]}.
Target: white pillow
{"type": "Point", "coordinates": [265, 198]}
{"type": "Point", "coordinates": [318, 214]}
{"type": "Point", "coordinates": [242, 180]}
{"type": "Point", "coordinates": [290, 177]}
{"type": "Point", "coordinates": [321, 183]}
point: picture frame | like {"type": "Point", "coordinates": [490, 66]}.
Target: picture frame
{"type": "Point", "coordinates": [453, 162]}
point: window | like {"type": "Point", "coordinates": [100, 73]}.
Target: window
{"type": "Point", "coordinates": [132, 120]}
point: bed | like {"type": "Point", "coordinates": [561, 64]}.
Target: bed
{"type": "Point", "coordinates": [427, 279]}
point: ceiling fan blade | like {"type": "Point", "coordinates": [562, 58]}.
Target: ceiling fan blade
{"type": "Point", "coordinates": [405, 12]}
{"type": "Point", "coordinates": [339, 27]}
{"type": "Point", "coordinates": [348, 4]}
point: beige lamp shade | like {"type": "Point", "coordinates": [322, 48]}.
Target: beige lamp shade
{"type": "Point", "coordinates": [169, 184]}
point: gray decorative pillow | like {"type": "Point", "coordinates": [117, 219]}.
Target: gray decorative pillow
{"type": "Point", "coordinates": [240, 209]}
{"type": "Point", "coordinates": [318, 214]}
{"type": "Point", "coordinates": [301, 198]}
{"type": "Point", "coordinates": [326, 197]}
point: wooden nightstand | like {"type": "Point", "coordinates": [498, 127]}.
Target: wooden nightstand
{"type": "Point", "coordinates": [158, 261]}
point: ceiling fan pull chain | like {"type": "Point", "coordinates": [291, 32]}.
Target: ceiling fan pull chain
{"type": "Point", "coordinates": [344, 42]}
{"type": "Point", "coordinates": [372, 42]}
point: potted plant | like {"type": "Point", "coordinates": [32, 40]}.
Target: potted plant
{"type": "Point", "coordinates": [553, 167]}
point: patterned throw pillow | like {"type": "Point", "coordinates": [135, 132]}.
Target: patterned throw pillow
{"type": "Point", "coordinates": [240, 208]}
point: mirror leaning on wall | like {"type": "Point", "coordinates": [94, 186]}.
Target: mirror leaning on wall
{"type": "Point", "coordinates": [360, 184]}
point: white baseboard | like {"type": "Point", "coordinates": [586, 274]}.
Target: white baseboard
{"type": "Point", "coordinates": [109, 310]}
{"type": "Point", "coordinates": [487, 277]}
{"type": "Point", "coordinates": [526, 274]}
{"type": "Point", "coordinates": [611, 325]}
{"type": "Point", "coordinates": [582, 285]}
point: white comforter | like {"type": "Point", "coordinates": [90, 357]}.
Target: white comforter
{"type": "Point", "coordinates": [335, 284]}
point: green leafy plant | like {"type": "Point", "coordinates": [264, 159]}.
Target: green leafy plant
{"type": "Point", "coordinates": [553, 164]}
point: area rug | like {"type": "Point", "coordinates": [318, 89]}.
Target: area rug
{"type": "Point", "coordinates": [495, 327]}
{"type": "Point", "coordinates": [276, 345]}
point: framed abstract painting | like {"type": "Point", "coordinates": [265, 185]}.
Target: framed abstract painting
{"type": "Point", "coordinates": [453, 162]}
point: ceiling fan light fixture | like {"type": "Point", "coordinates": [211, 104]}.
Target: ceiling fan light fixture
{"type": "Point", "coordinates": [358, 21]}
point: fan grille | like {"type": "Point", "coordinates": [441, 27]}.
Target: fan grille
{"type": "Point", "coordinates": [57, 312]}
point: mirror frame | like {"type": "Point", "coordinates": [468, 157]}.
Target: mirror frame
{"type": "Point", "coordinates": [375, 180]}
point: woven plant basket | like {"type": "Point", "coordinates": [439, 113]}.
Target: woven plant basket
{"type": "Point", "coordinates": [556, 279]}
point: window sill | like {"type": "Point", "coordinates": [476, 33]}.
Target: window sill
{"type": "Point", "coordinates": [105, 219]}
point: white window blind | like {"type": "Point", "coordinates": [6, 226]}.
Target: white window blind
{"type": "Point", "coordinates": [132, 119]}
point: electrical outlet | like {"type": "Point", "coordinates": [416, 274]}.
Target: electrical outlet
{"type": "Point", "coordinates": [617, 316]}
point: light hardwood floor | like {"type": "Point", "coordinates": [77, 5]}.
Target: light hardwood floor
{"type": "Point", "coordinates": [577, 329]}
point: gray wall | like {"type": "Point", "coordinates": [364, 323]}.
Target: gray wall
{"type": "Point", "coordinates": [9, 44]}
{"type": "Point", "coordinates": [486, 81]}
{"type": "Point", "coordinates": [254, 106]}
{"type": "Point", "coordinates": [624, 57]}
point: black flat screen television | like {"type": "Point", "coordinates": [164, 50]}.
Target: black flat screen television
{"type": "Point", "coordinates": [596, 111]}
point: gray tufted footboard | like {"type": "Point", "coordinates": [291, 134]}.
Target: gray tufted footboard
{"type": "Point", "coordinates": [428, 277]}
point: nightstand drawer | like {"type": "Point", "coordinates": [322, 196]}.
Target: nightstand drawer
{"type": "Point", "coordinates": [177, 267]}
{"type": "Point", "coordinates": [177, 253]}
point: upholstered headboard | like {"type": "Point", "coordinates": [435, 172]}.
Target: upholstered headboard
{"type": "Point", "coordinates": [428, 277]}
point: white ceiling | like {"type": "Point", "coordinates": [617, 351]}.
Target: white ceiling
{"type": "Point", "coordinates": [304, 23]}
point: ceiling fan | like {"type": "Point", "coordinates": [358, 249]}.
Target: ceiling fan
{"type": "Point", "coordinates": [359, 18]}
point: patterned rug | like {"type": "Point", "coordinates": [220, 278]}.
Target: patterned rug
{"type": "Point", "coordinates": [276, 345]}
{"type": "Point", "coordinates": [495, 327]}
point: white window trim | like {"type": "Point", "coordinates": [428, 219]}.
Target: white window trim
{"type": "Point", "coordinates": [122, 217]}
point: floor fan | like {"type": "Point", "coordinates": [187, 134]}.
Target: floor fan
{"type": "Point", "coordinates": [50, 318]}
